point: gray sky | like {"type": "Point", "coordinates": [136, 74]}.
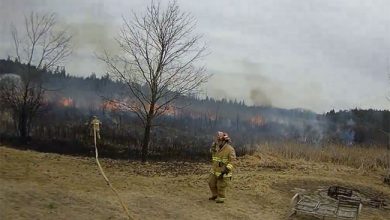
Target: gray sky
{"type": "Point", "coordinates": [313, 54]}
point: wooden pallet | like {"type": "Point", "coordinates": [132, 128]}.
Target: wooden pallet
{"type": "Point", "coordinates": [335, 191]}
{"type": "Point", "coordinates": [344, 208]}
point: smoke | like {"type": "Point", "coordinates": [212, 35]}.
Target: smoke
{"type": "Point", "coordinates": [220, 93]}
{"type": "Point", "coordinates": [91, 38]}
{"type": "Point", "coordinates": [256, 88]}
{"type": "Point", "coordinates": [259, 98]}
{"type": "Point", "coordinates": [92, 25]}
{"type": "Point", "coordinates": [95, 35]}
{"type": "Point", "coordinates": [263, 91]}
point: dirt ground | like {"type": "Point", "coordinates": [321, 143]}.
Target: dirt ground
{"type": "Point", "coordinates": [49, 186]}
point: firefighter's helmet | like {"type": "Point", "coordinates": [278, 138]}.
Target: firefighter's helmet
{"type": "Point", "coordinates": [223, 136]}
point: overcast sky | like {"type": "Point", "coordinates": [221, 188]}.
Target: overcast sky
{"type": "Point", "coordinates": [313, 54]}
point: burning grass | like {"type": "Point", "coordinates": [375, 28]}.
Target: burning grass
{"type": "Point", "coordinates": [360, 157]}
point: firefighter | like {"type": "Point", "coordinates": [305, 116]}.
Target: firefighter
{"type": "Point", "coordinates": [223, 160]}
{"type": "Point", "coordinates": [95, 125]}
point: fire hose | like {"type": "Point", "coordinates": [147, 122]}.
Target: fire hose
{"type": "Point", "coordinates": [106, 179]}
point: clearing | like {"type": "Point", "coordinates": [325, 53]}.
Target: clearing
{"type": "Point", "coordinates": [37, 185]}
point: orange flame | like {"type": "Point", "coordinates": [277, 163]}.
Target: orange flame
{"type": "Point", "coordinates": [129, 105]}
{"type": "Point", "coordinates": [257, 121]}
{"type": "Point", "coordinates": [66, 102]}
{"type": "Point", "coordinates": [170, 110]}
{"type": "Point", "coordinates": [111, 105]}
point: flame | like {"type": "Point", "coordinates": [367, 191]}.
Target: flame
{"type": "Point", "coordinates": [131, 105]}
{"type": "Point", "coordinates": [257, 121]}
{"type": "Point", "coordinates": [111, 105]}
{"type": "Point", "coordinates": [169, 110]}
{"type": "Point", "coordinates": [66, 102]}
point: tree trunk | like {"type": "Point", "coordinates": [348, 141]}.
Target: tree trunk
{"type": "Point", "coordinates": [145, 142]}
{"type": "Point", "coordinates": [22, 126]}
{"type": "Point", "coordinates": [148, 128]}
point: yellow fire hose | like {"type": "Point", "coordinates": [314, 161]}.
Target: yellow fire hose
{"type": "Point", "coordinates": [106, 179]}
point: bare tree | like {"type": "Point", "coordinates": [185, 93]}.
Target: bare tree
{"type": "Point", "coordinates": [38, 47]}
{"type": "Point", "coordinates": [157, 63]}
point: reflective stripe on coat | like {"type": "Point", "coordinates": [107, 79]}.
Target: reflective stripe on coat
{"type": "Point", "coordinates": [221, 158]}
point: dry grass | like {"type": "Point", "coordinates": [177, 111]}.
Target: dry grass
{"type": "Point", "coordinates": [360, 157]}
{"type": "Point", "coordinates": [50, 186]}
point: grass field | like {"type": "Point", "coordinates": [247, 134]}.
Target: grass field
{"type": "Point", "coordinates": [50, 186]}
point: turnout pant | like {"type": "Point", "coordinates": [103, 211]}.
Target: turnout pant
{"type": "Point", "coordinates": [218, 185]}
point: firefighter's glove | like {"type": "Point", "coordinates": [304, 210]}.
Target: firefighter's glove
{"type": "Point", "coordinates": [225, 171]}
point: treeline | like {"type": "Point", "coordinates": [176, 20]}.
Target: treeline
{"type": "Point", "coordinates": [359, 126]}
{"type": "Point", "coordinates": [182, 132]}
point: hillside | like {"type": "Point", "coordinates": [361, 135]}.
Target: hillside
{"type": "Point", "coordinates": [51, 186]}
{"type": "Point", "coordinates": [181, 132]}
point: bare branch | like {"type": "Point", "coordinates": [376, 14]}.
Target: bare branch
{"type": "Point", "coordinates": [158, 60]}
{"type": "Point", "coordinates": [16, 40]}
{"type": "Point", "coordinates": [40, 47]}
